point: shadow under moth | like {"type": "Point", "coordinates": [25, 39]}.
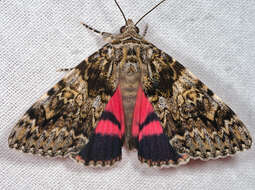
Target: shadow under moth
{"type": "Point", "coordinates": [130, 93]}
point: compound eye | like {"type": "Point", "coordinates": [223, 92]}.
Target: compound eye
{"type": "Point", "coordinates": [137, 30]}
{"type": "Point", "coordinates": [122, 29]}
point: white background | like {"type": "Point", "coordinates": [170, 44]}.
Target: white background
{"type": "Point", "coordinates": [213, 39]}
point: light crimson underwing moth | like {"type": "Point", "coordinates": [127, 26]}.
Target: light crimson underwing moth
{"type": "Point", "coordinates": [130, 93]}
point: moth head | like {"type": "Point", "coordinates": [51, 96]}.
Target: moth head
{"type": "Point", "coordinates": [130, 26]}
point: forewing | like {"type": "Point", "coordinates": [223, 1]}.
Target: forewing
{"type": "Point", "coordinates": [196, 121]}
{"type": "Point", "coordinates": [61, 121]}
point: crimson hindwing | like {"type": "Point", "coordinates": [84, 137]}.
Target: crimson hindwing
{"type": "Point", "coordinates": [104, 146]}
{"type": "Point", "coordinates": [153, 145]}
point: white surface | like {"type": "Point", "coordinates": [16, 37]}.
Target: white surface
{"type": "Point", "coordinates": [214, 39]}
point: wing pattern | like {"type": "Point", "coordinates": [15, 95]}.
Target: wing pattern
{"type": "Point", "coordinates": [196, 121]}
{"type": "Point", "coordinates": [61, 122]}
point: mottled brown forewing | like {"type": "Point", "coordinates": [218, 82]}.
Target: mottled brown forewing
{"type": "Point", "coordinates": [195, 119]}
{"type": "Point", "coordinates": [63, 119]}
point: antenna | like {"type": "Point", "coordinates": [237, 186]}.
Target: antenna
{"type": "Point", "coordinates": [148, 12]}
{"type": "Point", "coordinates": [121, 11]}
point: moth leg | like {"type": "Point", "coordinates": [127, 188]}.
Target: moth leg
{"type": "Point", "coordinates": [145, 30]}
{"type": "Point", "coordinates": [65, 69]}
{"type": "Point", "coordinates": [108, 37]}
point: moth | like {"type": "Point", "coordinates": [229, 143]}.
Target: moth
{"type": "Point", "coordinates": [130, 93]}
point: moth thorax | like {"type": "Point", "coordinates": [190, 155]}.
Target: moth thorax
{"type": "Point", "coordinates": [130, 68]}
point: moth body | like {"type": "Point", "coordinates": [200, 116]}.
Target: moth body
{"type": "Point", "coordinates": [130, 91]}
